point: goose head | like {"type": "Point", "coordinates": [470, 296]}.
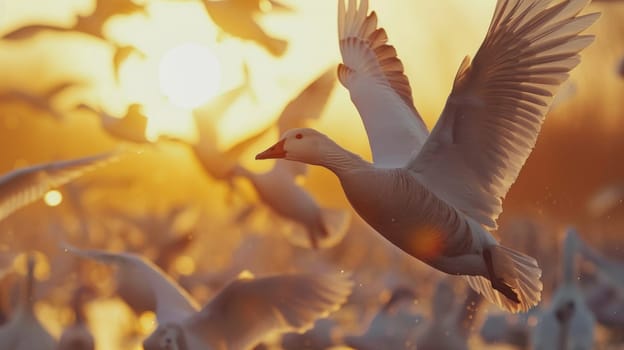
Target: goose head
{"type": "Point", "coordinates": [303, 145]}
{"type": "Point", "coordinates": [166, 337]}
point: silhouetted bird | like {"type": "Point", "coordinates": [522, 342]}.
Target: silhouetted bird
{"type": "Point", "coordinates": [92, 25]}
{"type": "Point", "coordinates": [130, 127]}
{"type": "Point", "coordinates": [237, 18]}
{"type": "Point", "coordinates": [42, 102]}
{"type": "Point", "coordinates": [216, 162]}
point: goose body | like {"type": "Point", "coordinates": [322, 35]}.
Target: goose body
{"type": "Point", "coordinates": [409, 215]}
{"type": "Point", "coordinates": [437, 195]}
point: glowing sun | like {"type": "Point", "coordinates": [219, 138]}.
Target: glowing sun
{"type": "Point", "coordinates": [189, 75]}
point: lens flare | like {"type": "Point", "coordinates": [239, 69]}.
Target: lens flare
{"type": "Point", "coordinates": [189, 75]}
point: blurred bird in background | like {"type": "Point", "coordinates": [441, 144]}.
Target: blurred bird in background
{"type": "Point", "coordinates": [43, 102]}
{"type": "Point", "coordinates": [238, 18]}
{"type": "Point", "coordinates": [238, 317]}
{"type": "Point", "coordinates": [77, 336]}
{"type": "Point", "coordinates": [278, 189]}
{"type": "Point", "coordinates": [130, 127]}
{"type": "Point", "coordinates": [91, 25]}
{"type": "Point", "coordinates": [393, 327]}
{"type": "Point", "coordinates": [567, 323]}
{"type": "Point", "coordinates": [26, 185]}
{"type": "Point", "coordinates": [24, 331]}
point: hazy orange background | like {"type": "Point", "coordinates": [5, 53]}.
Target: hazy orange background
{"type": "Point", "coordinates": [580, 149]}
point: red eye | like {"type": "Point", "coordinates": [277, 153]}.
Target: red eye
{"type": "Point", "coordinates": [299, 136]}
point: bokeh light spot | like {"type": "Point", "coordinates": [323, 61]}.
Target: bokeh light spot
{"type": "Point", "coordinates": [147, 322]}
{"type": "Point", "coordinates": [53, 198]}
{"type": "Point", "coordinates": [184, 265]}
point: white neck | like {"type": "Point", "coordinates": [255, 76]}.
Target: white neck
{"type": "Point", "coordinates": [340, 161]}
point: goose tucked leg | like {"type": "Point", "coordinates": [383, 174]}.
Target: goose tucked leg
{"type": "Point", "coordinates": [498, 283]}
{"type": "Point", "coordinates": [511, 279]}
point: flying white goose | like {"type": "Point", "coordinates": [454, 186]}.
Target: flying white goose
{"type": "Point", "coordinates": [141, 283]}
{"type": "Point", "coordinates": [567, 323]}
{"type": "Point", "coordinates": [439, 201]}
{"type": "Point", "coordinates": [239, 316]}
{"type": "Point", "coordinates": [278, 189]}
{"type": "Point", "coordinates": [23, 186]}
{"type": "Point", "coordinates": [23, 331]}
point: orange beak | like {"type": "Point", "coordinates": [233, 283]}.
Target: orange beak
{"type": "Point", "coordinates": [275, 151]}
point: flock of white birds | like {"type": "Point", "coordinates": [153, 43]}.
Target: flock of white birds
{"type": "Point", "coordinates": [433, 194]}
